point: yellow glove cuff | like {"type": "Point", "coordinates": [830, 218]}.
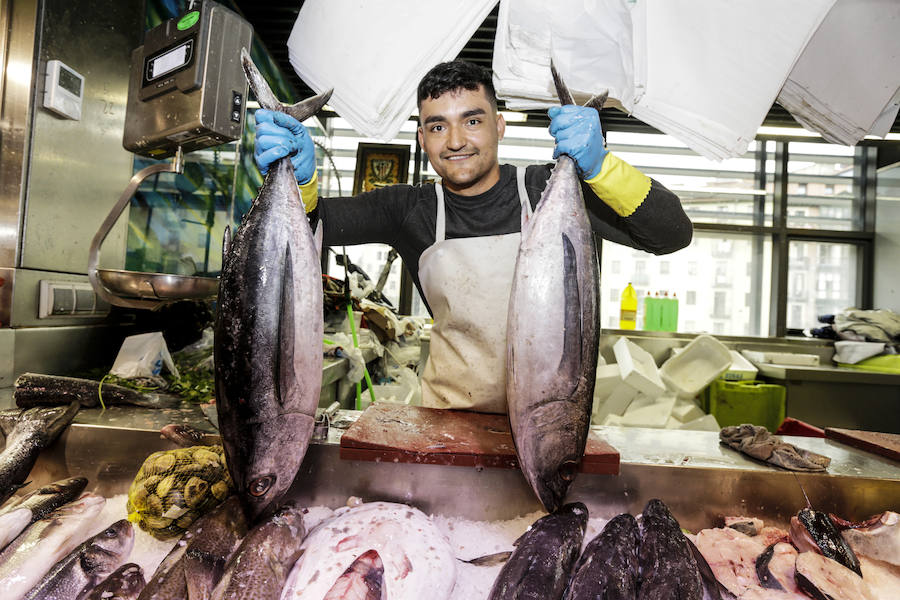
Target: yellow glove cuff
{"type": "Point", "coordinates": [620, 185]}
{"type": "Point", "coordinates": [309, 192]}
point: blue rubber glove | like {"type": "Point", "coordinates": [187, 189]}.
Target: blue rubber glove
{"type": "Point", "coordinates": [279, 135]}
{"type": "Point", "coordinates": [577, 132]}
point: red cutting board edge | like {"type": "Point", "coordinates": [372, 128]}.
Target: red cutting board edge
{"type": "Point", "coordinates": [883, 444]}
{"type": "Point", "coordinates": [414, 434]}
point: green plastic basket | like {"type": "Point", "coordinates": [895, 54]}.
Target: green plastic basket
{"type": "Point", "coordinates": [739, 402]}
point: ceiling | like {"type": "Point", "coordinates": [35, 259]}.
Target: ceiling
{"type": "Point", "coordinates": [272, 21]}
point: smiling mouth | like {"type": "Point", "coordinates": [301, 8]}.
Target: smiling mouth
{"type": "Point", "coordinates": [457, 157]}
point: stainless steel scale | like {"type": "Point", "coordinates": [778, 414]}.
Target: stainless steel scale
{"type": "Point", "coordinates": [187, 92]}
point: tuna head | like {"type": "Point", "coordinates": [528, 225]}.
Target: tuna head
{"type": "Point", "coordinates": [551, 451]}
{"type": "Point", "coordinates": [271, 452]}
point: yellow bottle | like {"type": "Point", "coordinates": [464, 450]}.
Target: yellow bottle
{"type": "Point", "coordinates": [628, 308]}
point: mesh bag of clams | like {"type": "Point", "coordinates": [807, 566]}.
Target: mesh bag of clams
{"type": "Point", "coordinates": [175, 487]}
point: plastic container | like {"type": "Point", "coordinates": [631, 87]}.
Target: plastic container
{"type": "Point", "coordinates": [668, 318]}
{"type": "Point", "coordinates": [692, 369]}
{"type": "Point", "coordinates": [754, 402]}
{"type": "Point", "coordinates": [741, 369]}
{"type": "Point", "coordinates": [638, 368]}
{"type": "Point", "coordinates": [652, 312]}
{"type": "Point", "coordinates": [628, 308]}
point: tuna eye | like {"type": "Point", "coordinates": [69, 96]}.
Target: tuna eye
{"type": "Point", "coordinates": [259, 487]}
{"type": "Point", "coordinates": [110, 533]}
{"type": "Point", "coordinates": [567, 470]}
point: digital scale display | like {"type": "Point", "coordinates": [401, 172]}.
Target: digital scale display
{"type": "Point", "coordinates": [170, 60]}
{"type": "Point", "coordinates": [69, 81]}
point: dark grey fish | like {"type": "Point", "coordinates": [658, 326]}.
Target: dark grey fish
{"type": "Point", "coordinates": [259, 568]}
{"type": "Point", "coordinates": [183, 435]}
{"type": "Point", "coordinates": [124, 584]}
{"type": "Point", "coordinates": [540, 565]}
{"type": "Point", "coordinates": [668, 568]}
{"type": "Point", "coordinates": [22, 512]}
{"type": "Point", "coordinates": [34, 389]}
{"type": "Point", "coordinates": [608, 568]}
{"type": "Point", "coordinates": [552, 359]}
{"type": "Point", "coordinates": [75, 576]}
{"type": "Point", "coordinates": [268, 335]}
{"type": "Point", "coordinates": [35, 429]}
{"type": "Point", "coordinates": [814, 530]}
{"type": "Point", "coordinates": [196, 563]}
{"type": "Point", "coordinates": [489, 560]}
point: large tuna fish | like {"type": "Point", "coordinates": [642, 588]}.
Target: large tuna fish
{"type": "Point", "coordinates": [268, 337]}
{"type": "Point", "coordinates": [553, 334]}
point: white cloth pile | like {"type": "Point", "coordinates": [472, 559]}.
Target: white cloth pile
{"type": "Point", "coordinates": [707, 72]}
{"type": "Point", "coordinates": [846, 84]}
{"type": "Point", "coordinates": [374, 52]}
{"type": "Point", "coordinates": [589, 42]}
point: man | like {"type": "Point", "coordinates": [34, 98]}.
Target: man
{"type": "Point", "coordinates": [459, 238]}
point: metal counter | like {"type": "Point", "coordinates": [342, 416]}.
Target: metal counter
{"type": "Point", "coordinates": [700, 480]}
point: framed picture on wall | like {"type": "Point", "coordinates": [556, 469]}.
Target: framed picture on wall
{"type": "Point", "coordinates": [380, 165]}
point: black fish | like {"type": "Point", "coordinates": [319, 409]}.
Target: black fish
{"type": "Point", "coordinates": [608, 568]}
{"type": "Point", "coordinates": [183, 435]}
{"type": "Point", "coordinates": [668, 567]}
{"type": "Point", "coordinates": [268, 335]}
{"type": "Point", "coordinates": [828, 540]}
{"type": "Point", "coordinates": [35, 429]}
{"type": "Point", "coordinates": [539, 567]}
{"type": "Point", "coordinates": [33, 389]}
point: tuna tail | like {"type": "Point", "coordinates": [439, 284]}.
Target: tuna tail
{"type": "Point", "coordinates": [267, 99]}
{"type": "Point", "coordinates": [562, 92]}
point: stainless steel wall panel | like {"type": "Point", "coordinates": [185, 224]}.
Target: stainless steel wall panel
{"type": "Point", "coordinates": [79, 168]}
{"type": "Point", "coordinates": [17, 43]}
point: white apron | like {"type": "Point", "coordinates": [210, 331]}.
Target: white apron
{"type": "Point", "coordinates": [467, 283]}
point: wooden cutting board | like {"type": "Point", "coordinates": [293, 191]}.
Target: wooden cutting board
{"type": "Point", "coordinates": [883, 444]}
{"type": "Point", "coordinates": [413, 434]}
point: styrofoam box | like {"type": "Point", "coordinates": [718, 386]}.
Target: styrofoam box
{"type": "Point", "coordinates": [652, 415]}
{"type": "Point", "coordinates": [704, 423]}
{"type": "Point", "coordinates": [616, 403]}
{"type": "Point", "coordinates": [783, 358]}
{"type": "Point", "coordinates": [741, 369]}
{"type": "Point", "coordinates": [608, 379]}
{"type": "Point", "coordinates": [638, 368]}
{"type": "Point", "coordinates": [691, 370]}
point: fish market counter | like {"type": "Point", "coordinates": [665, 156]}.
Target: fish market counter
{"type": "Point", "coordinates": [699, 479]}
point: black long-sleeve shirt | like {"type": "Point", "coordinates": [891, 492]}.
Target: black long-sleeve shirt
{"type": "Point", "coordinates": [403, 216]}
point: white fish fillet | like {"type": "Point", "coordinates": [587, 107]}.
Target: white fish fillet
{"type": "Point", "coordinates": [12, 524]}
{"type": "Point", "coordinates": [419, 563]}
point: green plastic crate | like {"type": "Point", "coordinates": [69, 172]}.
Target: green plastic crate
{"type": "Point", "coordinates": [739, 402]}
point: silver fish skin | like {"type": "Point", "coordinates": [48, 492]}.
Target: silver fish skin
{"type": "Point", "coordinates": [196, 563]}
{"type": "Point", "coordinates": [12, 523]}
{"type": "Point", "coordinates": [34, 430]}
{"type": "Point", "coordinates": [48, 498]}
{"type": "Point", "coordinates": [552, 336]}
{"type": "Point", "coordinates": [268, 333]}
{"type": "Point", "coordinates": [124, 584]}
{"type": "Point", "coordinates": [27, 558]}
{"type": "Point", "coordinates": [259, 568]}
{"type": "Point", "coordinates": [81, 570]}
{"type": "Point", "coordinates": [539, 567]}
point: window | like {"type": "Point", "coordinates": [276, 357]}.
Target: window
{"type": "Point", "coordinates": [692, 268]}
{"type": "Point", "coordinates": [823, 286]}
{"type": "Point", "coordinates": [690, 298]}
{"type": "Point", "coordinates": [616, 267]}
{"type": "Point", "coordinates": [663, 267]}
{"type": "Point", "coordinates": [614, 295]}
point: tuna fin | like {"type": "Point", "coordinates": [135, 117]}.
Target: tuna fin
{"type": "Point", "coordinates": [267, 99]}
{"type": "Point", "coordinates": [226, 241]}
{"type": "Point", "coordinates": [317, 237]}
{"type": "Point", "coordinates": [562, 92]}
{"type": "Point", "coordinates": [596, 102]}
{"type": "Point", "coordinates": [285, 378]}
{"type": "Point", "coordinates": [307, 108]}
{"type": "Point", "coordinates": [570, 362]}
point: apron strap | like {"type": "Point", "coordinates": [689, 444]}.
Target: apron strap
{"type": "Point", "coordinates": [440, 224]}
{"type": "Point", "coordinates": [441, 218]}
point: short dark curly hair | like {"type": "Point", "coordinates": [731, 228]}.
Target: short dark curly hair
{"type": "Point", "coordinates": [454, 75]}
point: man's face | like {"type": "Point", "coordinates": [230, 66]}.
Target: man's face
{"type": "Point", "coordinates": [459, 131]}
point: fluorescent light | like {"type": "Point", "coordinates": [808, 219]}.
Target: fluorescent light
{"type": "Point", "coordinates": [786, 131]}
{"type": "Point", "coordinates": [513, 117]}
